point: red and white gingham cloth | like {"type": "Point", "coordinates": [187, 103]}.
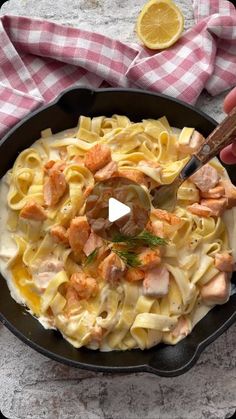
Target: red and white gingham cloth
{"type": "Point", "coordinates": [39, 59]}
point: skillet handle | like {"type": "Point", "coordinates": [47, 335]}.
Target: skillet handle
{"type": "Point", "coordinates": [172, 361]}
{"type": "Point", "coordinates": [77, 100]}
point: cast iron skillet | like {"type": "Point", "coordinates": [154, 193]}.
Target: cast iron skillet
{"type": "Point", "coordinates": [61, 114]}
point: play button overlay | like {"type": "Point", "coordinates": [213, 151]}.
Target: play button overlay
{"type": "Point", "coordinates": [117, 206]}
{"type": "Point", "coordinates": [117, 210]}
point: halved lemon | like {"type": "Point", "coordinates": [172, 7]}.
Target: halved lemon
{"type": "Point", "coordinates": [160, 24]}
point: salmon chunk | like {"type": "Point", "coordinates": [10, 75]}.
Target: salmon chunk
{"type": "Point", "coordinates": [156, 228]}
{"type": "Point", "coordinates": [217, 290]}
{"type": "Point", "coordinates": [59, 165]}
{"type": "Point", "coordinates": [78, 233]}
{"type": "Point", "coordinates": [72, 300]}
{"type": "Point", "coordinates": [85, 286]}
{"type": "Point", "coordinates": [59, 234]}
{"type": "Point", "coordinates": [97, 157]}
{"type": "Point", "coordinates": [106, 172]}
{"type": "Point", "coordinates": [149, 258]}
{"type": "Point", "coordinates": [134, 175]}
{"type": "Point", "coordinates": [47, 269]}
{"type": "Point", "coordinates": [182, 328]}
{"type": "Point", "coordinates": [166, 216]}
{"type": "Point", "coordinates": [224, 262]}
{"type": "Point", "coordinates": [112, 268]}
{"type": "Point", "coordinates": [200, 210]}
{"type": "Point", "coordinates": [92, 243]}
{"type": "Point", "coordinates": [55, 165]}
{"type": "Point", "coordinates": [49, 165]}
{"type": "Point", "coordinates": [79, 160]}
{"type": "Point", "coordinates": [194, 143]}
{"type": "Point", "coordinates": [217, 206]}
{"type": "Point", "coordinates": [205, 178]}
{"type": "Point", "coordinates": [214, 193]}
{"type": "Point", "coordinates": [33, 211]}
{"type": "Point", "coordinates": [54, 188]}
{"type": "Point", "coordinates": [134, 274]}
{"type": "Point", "coordinates": [156, 282]}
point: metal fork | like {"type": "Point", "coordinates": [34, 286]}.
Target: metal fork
{"type": "Point", "coordinates": [165, 196]}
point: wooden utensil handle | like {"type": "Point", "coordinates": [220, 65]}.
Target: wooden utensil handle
{"type": "Point", "coordinates": [222, 135]}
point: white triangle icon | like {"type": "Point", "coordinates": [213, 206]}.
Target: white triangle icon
{"type": "Point", "coordinates": [116, 209]}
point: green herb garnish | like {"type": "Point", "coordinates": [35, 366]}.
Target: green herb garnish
{"type": "Point", "coordinates": [129, 258]}
{"type": "Point", "coordinates": [91, 257]}
{"type": "Point", "coordinates": [150, 239]}
{"type": "Point", "coordinates": [143, 239]}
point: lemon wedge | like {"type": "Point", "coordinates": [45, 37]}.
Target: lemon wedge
{"type": "Point", "coordinates": [160, 24]}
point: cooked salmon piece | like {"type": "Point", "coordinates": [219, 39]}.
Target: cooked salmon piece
{"type": "Point", "coordinates": [134, 274]}
{"type": "Point", "coordinates": [72, 300]}
{"type": "Point", "coordinates": [149, 258]}
{"type": "Point", "coordinates": [92, 243]}
{"type": "Point", "coordinates": [200, 210]}
{"type": "Point", "coordinates": [59, 165]}
{"type": "Point", "coordinates": [55, 165]}
{"type": "Point", "coordinates": [156, 228]}
{"type": "Point", "coordinates": [195, 142]}
{"type": "Point", "coordinates": [49, 164]}
{"type": "Point", "coordinates": [78, 233]}
{"type": "Point", "coordinates": [214, 193]}
{"type": "Point", "coordinates": [54, 188]}
{"type": "Point", "coordinates": [85, 286]}
{"type": "Point", "coordinates": [47, 269]}
{"type": "Point", "coordinates": [97, 157]}
{"type": "Point", "coordinates": [224, 262]}
{"type": "Point", "coordinates": [217, 206]}
{"type": "Point", "coordinates": [217, 290]}
{"type": "Point", "coordinates": [182, 328]}
{"type": "Point", "coordinates": [33, 211]}
{"type": "Point", "coordinates": [205, 178]}
{"type": "Point", "coordinates": [156, 282]}
{"type": "Point", "coordinates": [166, 216]}
{"type": "Point", "coordinates": [71, 295]}
{"type": "Point", "coordinates": [106, 172]}
{"type": "Point", "coordinates": [134, 175]}
{"type": "Point", "coordinates": [59, 234]}
{"type": "Point", "coordinates": [230, 193]}
{"type": "Point", "coordinates": [112, 268]}
{"type": "Point", "coordinates": [51, 264]}
{"type": "Point", "coordinates": [79, 160]}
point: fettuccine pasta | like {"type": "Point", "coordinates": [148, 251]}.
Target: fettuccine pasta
{"type": "Point", "coordinates": [125, 294]}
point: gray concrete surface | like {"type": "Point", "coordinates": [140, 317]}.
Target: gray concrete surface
{"type": "Point", "coordinates": [33, 387]}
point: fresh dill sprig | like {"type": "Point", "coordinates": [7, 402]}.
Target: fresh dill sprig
{"type": "Point", "coordinates": [91, 257]}
{"type": "Point", "coordinates": [150, 239]}
{"type": "Point", "coordinates": [129, 258]}
{"type": "Point", "coordinates": [143, 239]}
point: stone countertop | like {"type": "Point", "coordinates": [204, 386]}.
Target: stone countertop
{"type": "Point", "coordinates": [34, 387]}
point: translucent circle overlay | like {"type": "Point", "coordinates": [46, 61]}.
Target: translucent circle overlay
{"type": "Point", "coordinates": [125, 191]}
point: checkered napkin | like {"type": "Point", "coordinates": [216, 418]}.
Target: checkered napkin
{"type": "Point", "coordinates": [39, 58]}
